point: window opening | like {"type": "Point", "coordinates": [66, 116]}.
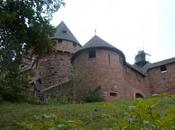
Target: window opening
{"type": "Point", "coordinates": [138, 95]}
{"type": "Point", "coordinates": [92, 53]}
{"type": "Point", "coordinates": [163, 68]}
{"type": "Point", "coordinates": [109, 58]}
{"type": "Point", "coordinates": [114, 94]}
{"type": "Point", "coordinates": [64, 31]}
{"type": "Point", "coordinates": [60, 40]}
{"type": "Point", "coordinates": [74, 44]}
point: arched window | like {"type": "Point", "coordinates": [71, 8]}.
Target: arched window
{"type": "Point", "coordinates": [138, 95]}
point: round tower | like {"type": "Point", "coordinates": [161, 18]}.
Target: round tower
{"type": "Point", "coordinates": [55, 69]}
{"type": "Point", "coordinates": [99, 65]}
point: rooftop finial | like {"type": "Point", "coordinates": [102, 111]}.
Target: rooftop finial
{"type": "Point", "coordinates": [95, 31]}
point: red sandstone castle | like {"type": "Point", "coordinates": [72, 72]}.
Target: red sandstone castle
{"type": "Point", "coordinates": [101, 65]}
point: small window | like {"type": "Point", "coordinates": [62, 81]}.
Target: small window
{"type": "Point", "coordinates": [92, 53]}
{"type": "Point", "coordinates": [74, 44]}
{"type": "Point", "coordinates": [121, 60]}
{"type": "Point", "coordinates": [113, 94]}
{"type": "Point", "coordinates": [64, 31]}
{"type": "Point", "coordinates": [163, 68]}
{"type": "Point", "coordinates": [109, 58]}
{"type": "Point", "coordinates": [60, 40]}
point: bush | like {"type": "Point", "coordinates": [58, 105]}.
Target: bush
{"type": "Point", "coordinates": [93, 95]}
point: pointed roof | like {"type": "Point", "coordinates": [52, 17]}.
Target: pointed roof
{"type": "Point", "coordinates": [63, 32]}
{"type": "Point", "coordinates": [97, 42]}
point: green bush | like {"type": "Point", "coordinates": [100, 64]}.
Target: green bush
{"type": "Point", "coordinates": [93, 95]}
{"type": "Point", "coordinates": [62, 95]}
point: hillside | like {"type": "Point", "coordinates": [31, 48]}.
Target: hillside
{"type": "Point", "coordinates": [159, 110]}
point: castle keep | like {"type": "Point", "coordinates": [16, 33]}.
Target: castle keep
{"type": "Point", "coordinates": [100, 65]}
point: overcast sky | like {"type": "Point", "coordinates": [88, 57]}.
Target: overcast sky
{"type": "Point", "coordinates": [129, 25]}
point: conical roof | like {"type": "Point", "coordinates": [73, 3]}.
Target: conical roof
{"type": "Point", "coordinates": [63, 32]}
{"type": "Point", "coordinates": [97, 42]}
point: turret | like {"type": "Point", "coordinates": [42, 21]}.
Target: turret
{"type": "Point", "coordinates": [140, 59]}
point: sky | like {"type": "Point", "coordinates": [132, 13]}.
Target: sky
{"type": "Point", "coordinates": [129, 25]}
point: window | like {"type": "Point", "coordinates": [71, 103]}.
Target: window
{"type": "Point", "coordinates": [60, 40]}
{"type": "Point", "coordinates": [113, 94]}
{"type": "Point", "coordinates": [64, 31]}
{"type": "Point", "coordinates": [109, 58]}
{"type": "Point", "coordinates": [92, 53]}
{"type": "Point", "coordinates": [74, 44]}
{"type": "Point", "coordinates": [163, 68]}
{"type": "Point", "coordinates": [121, 60]}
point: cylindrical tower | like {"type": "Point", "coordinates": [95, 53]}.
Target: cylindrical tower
{"type": "Point", "coordinates": [55, 69]}
{"type": "Point", "coordinates": [100, 65]}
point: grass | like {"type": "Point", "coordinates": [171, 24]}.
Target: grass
{"type": "Point", "coordinates": [90, 114]}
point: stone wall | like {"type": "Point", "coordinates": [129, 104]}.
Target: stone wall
{"type": "Point", "coordinates": [162, 81]}
{"type": "Point", "coordinates": [66, 46]}
{"type": "Point", "coordinates": [56, 68]}
{"type": "Point", "coordinates": [136, 84]}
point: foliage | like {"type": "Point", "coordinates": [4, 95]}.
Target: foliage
{"type": "Point", "coordinates": [24, 31]}
{"type": "Point", "coordinates": [52, 122]}
{"type": "Point", "coordinates": [145, 115]}
{"type": "Point", "coordinates": [62, 95]}
{"type": "Point", "coordinates": [93, 95]}
{"type": "Point", "coordinates": [155, 113]}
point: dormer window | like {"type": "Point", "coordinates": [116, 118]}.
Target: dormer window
{"type": "Point", "coordinates": [92, 53]}
{"type": "Point", "coordinates": [163, 69]}
{"type": "Point", "coordinates": [64, 31]}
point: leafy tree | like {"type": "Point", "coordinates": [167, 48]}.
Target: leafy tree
{"type": "Point", "coordinates": [24, 30]}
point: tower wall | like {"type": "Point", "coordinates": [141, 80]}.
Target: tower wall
{"type": "Point", "coordinates": [108, 71]}
{"type": "Point", "coordinates": [105, 71]}
{"type": "Point", "coordinates": [56, 68]}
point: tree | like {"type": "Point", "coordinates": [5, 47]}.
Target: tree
{"type": "Point", "coordinates": [24, 30]}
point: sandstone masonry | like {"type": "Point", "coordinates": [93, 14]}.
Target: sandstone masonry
{"type": "Point", "coordinates": [98, 64]}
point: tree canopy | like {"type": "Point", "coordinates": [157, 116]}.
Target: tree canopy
{"type": "Point", "coordinates": [24, 27]}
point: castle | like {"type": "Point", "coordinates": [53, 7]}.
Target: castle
{"type": "Point", "coordinates": [101, 65]}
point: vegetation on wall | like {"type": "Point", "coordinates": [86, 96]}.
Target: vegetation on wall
{"type": "Point", "coordinates": [24, 32]}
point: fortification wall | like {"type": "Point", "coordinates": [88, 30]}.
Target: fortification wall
{"type": "Point", "coordinates": [162, 81]}
{"type": "Point", "coordinates": [135, 84]}
{"type": "Point", "coordinates": [54, 69]}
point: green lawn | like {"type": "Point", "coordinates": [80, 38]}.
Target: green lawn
{"type": "Point", "coordinates": [91, 114]}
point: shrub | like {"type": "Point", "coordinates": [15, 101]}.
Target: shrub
{"type": "Point", "coordinates": [93, 95]}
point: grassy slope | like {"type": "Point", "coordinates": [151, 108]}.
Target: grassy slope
{"type": "Point", "coordinates": [89, 113]}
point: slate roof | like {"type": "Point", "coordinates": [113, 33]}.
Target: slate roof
{"type": "Point", "coordinates": [63, 32]}
{"type": "Point", "coordinates": [148, 66]}
{"type": "Point", "coordinates": [163, 62]}
{"type": "Point", "coordinates": [97, 42]}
